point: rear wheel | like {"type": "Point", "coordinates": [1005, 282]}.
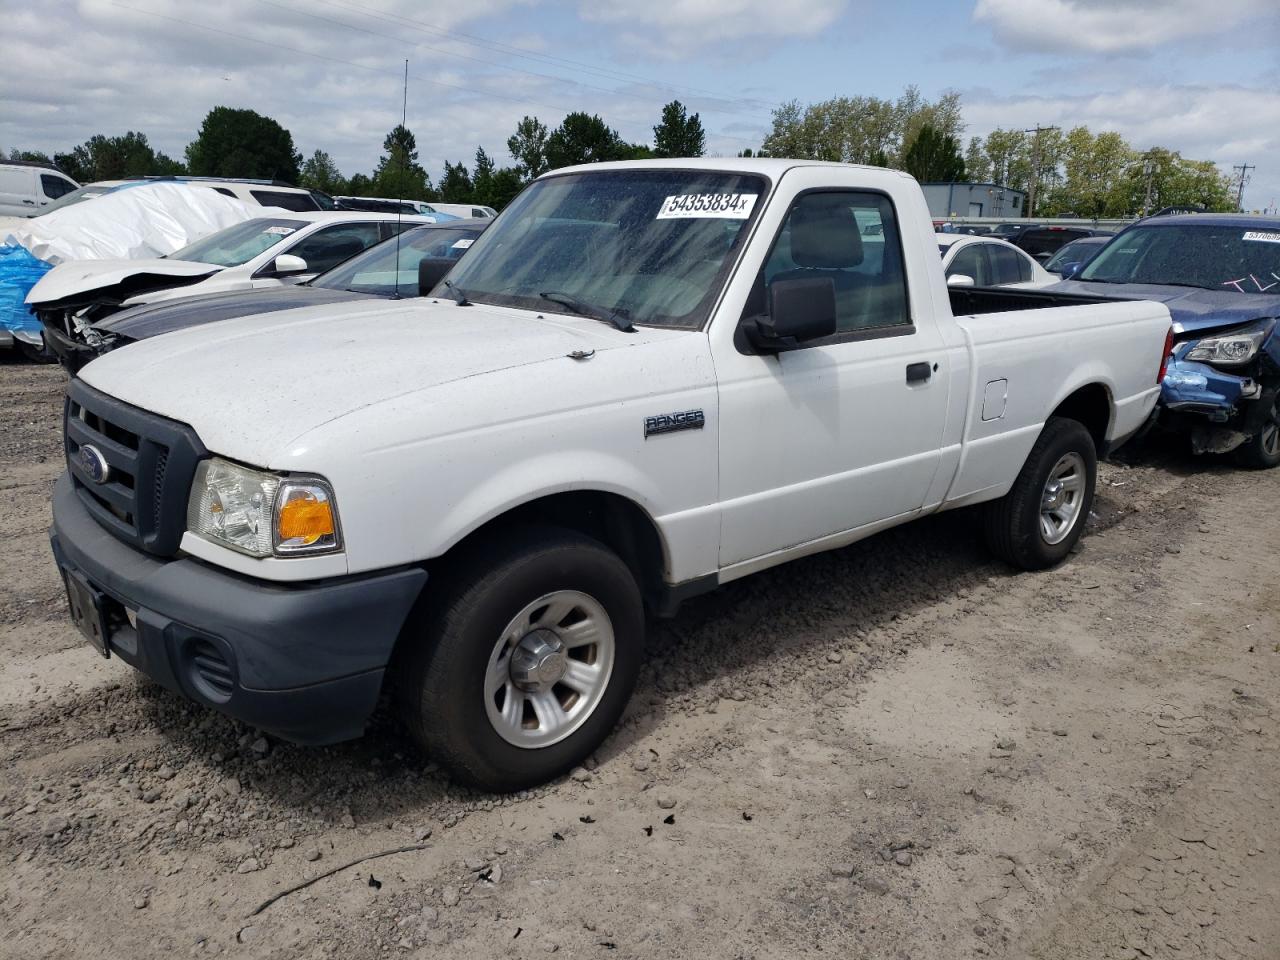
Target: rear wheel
{"type": "Point", "coordinates": [1038, 522]}
{"type": "Point", "coordinates": [1262, 450]}
{"type": "Point", "coordinates": [527, 661]}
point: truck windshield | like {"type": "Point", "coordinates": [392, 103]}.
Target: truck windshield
{"type": "Point", "coordinates": [1239, 259]}
{"type": "Point", "coordinates": [375, 270]}
{"type": "Point", "coordinates": [652, 246]}
{"type": "Point", "coordinates": [239, 244]}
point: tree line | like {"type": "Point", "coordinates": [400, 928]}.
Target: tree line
{"type": "Point", "coordinates": [1072, 172]}
{"type": "Point", "coordinates": [243, 143]}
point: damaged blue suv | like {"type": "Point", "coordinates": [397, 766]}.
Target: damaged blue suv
{"type": "Point", "coordinates": [1219, 274]}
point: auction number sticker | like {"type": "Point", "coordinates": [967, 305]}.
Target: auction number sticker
{"type": "Point", "coordinates": [1263, 236]}
{"type": "Point", "coordinates": [463, 244]}
{"type": "Point", "coordinates": [280, 231]}
{"type": "Point", "coordinates": [721, 206]}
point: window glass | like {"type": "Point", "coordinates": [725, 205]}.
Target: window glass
{"type": "Point", "coordinates": [383, 270]}
{"type": "Point", "coordinates": [239, 243]}
{"type": "Point", "coordinates": [55, 187]}
{"type": "Point", "coordinates": [1236, 258]}
{"type": "Point", "coordinates": [971, 261]}
{"type": "Point", "coordinates": [297, 202]}
{"type": "Point", "coordinates": [1006, 265]}
{"type": "Point", "coordinates": [224, 191]}
{"type": "Point", "coordinates": [852, 238]}
{"type": "Point", "coordinates": [327, 248]}
{"type": "Point", "coordinates": [650, 245]}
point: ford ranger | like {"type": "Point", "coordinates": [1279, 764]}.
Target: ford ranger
{"type": "Point", "coordinates": [646, 379]}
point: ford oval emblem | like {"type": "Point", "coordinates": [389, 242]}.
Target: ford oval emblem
{"type": "Point", "coordinates": [94, 464]}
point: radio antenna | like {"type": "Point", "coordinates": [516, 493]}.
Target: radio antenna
{"type": "Point", "coordinates": [404, 117]}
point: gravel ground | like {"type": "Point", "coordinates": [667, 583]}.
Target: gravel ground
{"type": "Point", "coordinates": [897, 750]}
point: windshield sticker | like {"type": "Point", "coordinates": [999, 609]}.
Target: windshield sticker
{"type": "Point", "coordinates": [1240, 286]}
{"type": "Point", "coordinates": [463, 244]}
{"type": "Point", "coordinates": [280, 231]}
{"type": "Point", "coordinates": [1261, 236]}
{"type": "Point", "coordinates": [721, 206]}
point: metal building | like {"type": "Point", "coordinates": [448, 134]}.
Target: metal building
{"type": "Point", "coordinates": [948, 200]}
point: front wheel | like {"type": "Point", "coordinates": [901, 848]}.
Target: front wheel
{"type": "Point", "coordinates": [1037, 523]}
{"type": "Point", "coordinates": [1262, 450]}
{"type": "Point", "coordinates": [528, 660]}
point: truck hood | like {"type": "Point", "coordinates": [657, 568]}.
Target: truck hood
{"type": "Point", "coordinates": [83, 280]}
{"type": "Point", "coordinates": [251, 385]}
{"type": "Point", "coordinates": [166, 316]}
{"type": "Point", "coordinates": [1193, 310]}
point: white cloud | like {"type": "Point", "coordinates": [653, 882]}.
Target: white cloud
{"type": "Point", "coordinates": [1225, 124]}
{"type": "Point", "coordinates": [678, 27]}
{"type": "Point", "coordinates": [1112, 26]}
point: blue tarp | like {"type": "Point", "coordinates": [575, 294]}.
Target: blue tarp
{"type": "Point", "coordinates": [19, 271]}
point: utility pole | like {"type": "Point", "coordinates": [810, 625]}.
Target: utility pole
{"type": "Point", "coordinates": [1148, 171]}
{"type": "Point", "coordinates": [1242, 172]}
{"type": "Point", "coordinates": [1035, 166]}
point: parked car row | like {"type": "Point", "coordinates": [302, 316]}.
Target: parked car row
{"type": "Point", "coordinates": [409, 265]}
{"type": "Point", "coordinates": [722, 305]}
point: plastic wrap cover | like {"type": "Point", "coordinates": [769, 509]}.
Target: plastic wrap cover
{"type": "Point", "coordinates": [149, 220]}
{"type": "Point", "coordinates": [19, 271]}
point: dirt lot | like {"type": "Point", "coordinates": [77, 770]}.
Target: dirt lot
{"type": "Point", "coordinates": [899, 750]}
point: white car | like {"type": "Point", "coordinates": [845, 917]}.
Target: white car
{"type": "Point", "coordinates": [644, 380]}
{"type": "Point", "coordinates": [263, 252]}
{"type": "Point", "coordinates": [27, 189]}
{"type": "Point", "coordinates": [969, 261]}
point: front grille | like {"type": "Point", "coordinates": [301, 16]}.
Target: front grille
{"type": "Point", "coordinates": [143, 497]}
{"type": "Point", "coordinates": [210, 670]}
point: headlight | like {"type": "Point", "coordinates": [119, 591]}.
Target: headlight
{"type": "Point", "coordinates": [262, 514]}
{"type": "Point", "coordinates": [1233, 348]}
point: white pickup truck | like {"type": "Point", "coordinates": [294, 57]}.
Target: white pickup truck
{"type": "Point", "coordinates": [645, 379]}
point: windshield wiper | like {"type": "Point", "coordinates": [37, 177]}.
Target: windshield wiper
{"type": "Point", "coordinates": [595, 313]}
{"type": "Point", "coordinates": [459, 297]}
{"type": "Point", "coordinates": [1175, 283]}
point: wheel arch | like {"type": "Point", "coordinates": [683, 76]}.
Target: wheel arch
{"type": "Point", "coordinates": [1093, 406]}
{"type": "Point", "coordinates": [617, 521]}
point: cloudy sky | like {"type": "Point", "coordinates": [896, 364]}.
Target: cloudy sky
{"type": "Point", "coordinates": [1200, 76]}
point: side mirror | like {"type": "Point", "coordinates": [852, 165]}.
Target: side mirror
{"type": "Point", "coordinates": [287, 265]}
{"type": "Point", "coordinates": [961, 280]}
{"type": "Point", "coordinates": [800, 310]}
{"type": "Point", "coordinates": [1070, 271]}
{"type": "Point", "coordinates": [431, 270]}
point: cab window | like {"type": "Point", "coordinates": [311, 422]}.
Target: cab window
{"type": "Point", "coordinates": [851, 237]}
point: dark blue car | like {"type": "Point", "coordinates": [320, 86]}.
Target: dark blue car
{"type": "Point", "coordinates": [1219, 274]}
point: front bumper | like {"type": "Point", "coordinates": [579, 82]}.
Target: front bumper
{"type": "Point", "coordinates": [1193, 387]}
{"type": "Point", "coordinates": [304, 662]}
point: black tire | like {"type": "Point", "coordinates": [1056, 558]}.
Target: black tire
{"type": "Point", "coordinates": [1012, 523]}
{"type": "Point", "coordinates": [439, 678]}
{"type": "Point", "coordinates": [1262, 450]}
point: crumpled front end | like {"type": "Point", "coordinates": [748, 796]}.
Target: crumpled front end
{"type": "Point", "coordinates": [1221, 405]}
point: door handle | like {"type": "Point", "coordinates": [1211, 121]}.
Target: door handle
{"type": "Point", "coordinates": [919, 372]}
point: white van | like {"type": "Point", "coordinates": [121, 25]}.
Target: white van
{"type": "Point", "coordinates": [25, 188]}
{"type": "Point", "coordinates": [467, 211]}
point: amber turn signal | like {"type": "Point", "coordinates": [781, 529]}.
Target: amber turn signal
{"type": "Point", "coordinates": [305, 519]}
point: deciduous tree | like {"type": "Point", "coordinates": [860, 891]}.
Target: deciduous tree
{"type": "Point", "coordinates": [243, 143]}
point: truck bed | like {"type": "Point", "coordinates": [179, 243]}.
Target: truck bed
{"type": "Point", "coordinates": [971, 301]}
